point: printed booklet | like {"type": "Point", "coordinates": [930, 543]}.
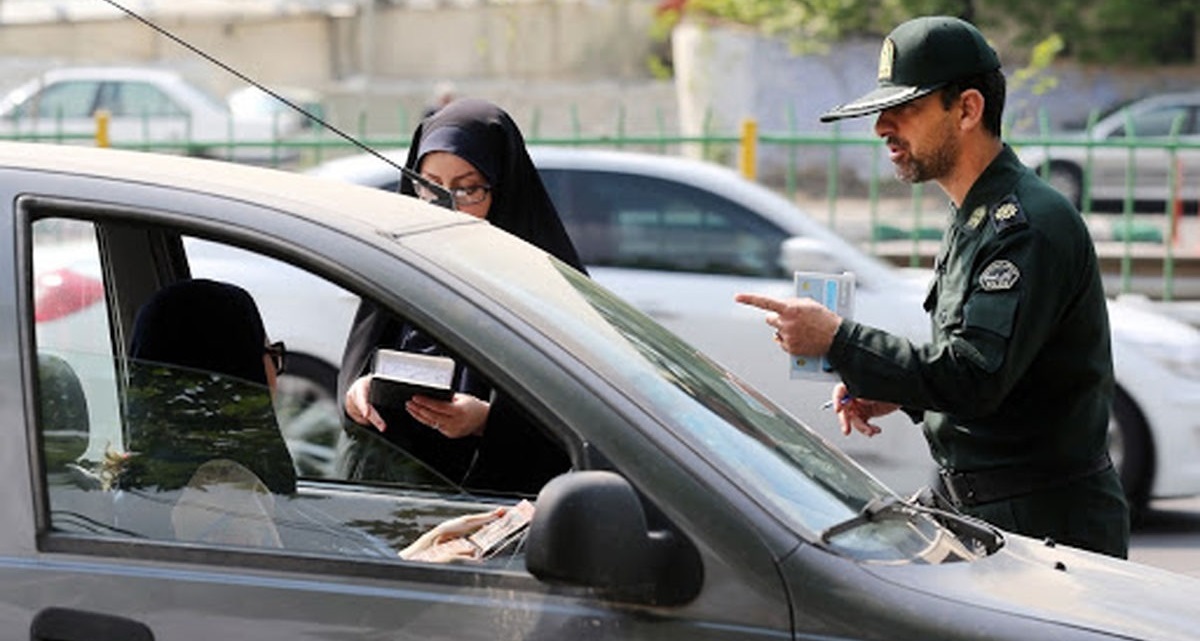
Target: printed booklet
{"type": "Point", "coordinates": [835, 291]}
{"type": "Point", "coordinates": [397, 376]}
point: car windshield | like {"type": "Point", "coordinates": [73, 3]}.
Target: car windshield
{"type": "Point", "coordinates": [781, 464]}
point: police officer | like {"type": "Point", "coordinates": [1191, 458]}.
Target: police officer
{"type": "Point", "coordinates": [1014, 389]}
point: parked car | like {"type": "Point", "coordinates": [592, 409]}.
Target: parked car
{"type": "Point", "coordinates": [678, 238]}
{"type": "Point", "coordinates": [695, 507]}
{"type": "Point", "coordinates": [146, 106]}
{"type": "Point", "coordinates": [1128, 150]}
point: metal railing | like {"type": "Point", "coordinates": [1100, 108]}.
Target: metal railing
{"type": "Point", "coordinates": [1147, 249]}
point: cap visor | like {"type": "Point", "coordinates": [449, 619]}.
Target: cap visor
{"type": "Point", "coordinates": [876, 101]}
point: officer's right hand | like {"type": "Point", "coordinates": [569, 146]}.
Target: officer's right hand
{"type": "Point", "coordinates": [856, 413]}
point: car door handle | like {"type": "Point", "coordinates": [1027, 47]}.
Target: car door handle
{"type": "Point", "coordinates": [66, 624]}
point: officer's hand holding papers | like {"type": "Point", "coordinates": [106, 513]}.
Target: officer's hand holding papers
{"type": "Point", "coordinates": [805, 327]}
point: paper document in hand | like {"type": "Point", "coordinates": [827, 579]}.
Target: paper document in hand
{"type": "Point", "coordinates": [494, 535]}
{"type": "Point", "coordinates": [835, 291]}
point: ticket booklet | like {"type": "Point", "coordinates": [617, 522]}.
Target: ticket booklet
{"type": "Point", "coordinates": [397, 376]}
{"type": "Point", "coordinates": [835, 291]}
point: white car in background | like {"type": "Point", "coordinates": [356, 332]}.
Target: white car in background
{"type": "Point", "coordinates": [146, 106]}
{"type": "Point", "coordinates": [678, 238]}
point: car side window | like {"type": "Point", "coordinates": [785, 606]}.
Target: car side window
{"type": "Point", "coordinates": [643, 222]}
{"type": "Point", "coordinates": [141, 443]}
{"type": "Point", "coordinates": [1156, 123]}
{"type": "Point", "coordinates": [69, 99]}
{"type": "Point", "coordinates": [138, 99]}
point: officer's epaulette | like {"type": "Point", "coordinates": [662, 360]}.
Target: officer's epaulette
{"type": "Point", "coordinates": [1007, 214]}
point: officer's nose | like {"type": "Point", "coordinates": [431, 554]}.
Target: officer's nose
{"type": "Point", "coordinates": [884, 124]}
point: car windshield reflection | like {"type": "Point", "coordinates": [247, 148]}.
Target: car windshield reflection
{"type": "Point", "coordinates": [779, 462]}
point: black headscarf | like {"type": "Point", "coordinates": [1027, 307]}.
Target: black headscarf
{"type": "Point", "coordinates": [179, 414]}
{"type": "Point", "coordinates": [203, 325]}
{"type": "Point", "coordinates": [486, 136]}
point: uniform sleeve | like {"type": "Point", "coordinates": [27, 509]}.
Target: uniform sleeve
{"type": "Point", "coordinates": [986, 333]}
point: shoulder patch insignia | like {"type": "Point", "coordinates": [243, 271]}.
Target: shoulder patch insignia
{"type": "Point", "coordinates": [1007, 213]}
{"type": "Point", "coordinates": [999, 275]}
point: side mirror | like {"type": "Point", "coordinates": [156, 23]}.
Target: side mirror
{"type": "Point", "coordinates": [802, 254]}
{"type": "Point", "coordinates": [590, 531]}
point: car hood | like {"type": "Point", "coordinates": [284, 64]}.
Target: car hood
{"type": "Point", "coordinates": [1070, 586]}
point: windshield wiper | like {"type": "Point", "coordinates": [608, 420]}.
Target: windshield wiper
{"type": "Point", "coordinates": [876, 508]}
{"type": "Point", "coordinates": [892, 507]}
{"type": "Point", "coordinates": [929, 502]}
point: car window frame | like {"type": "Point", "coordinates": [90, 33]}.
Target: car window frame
{"type": "Point", "coordinates": [35, 208]}
{"type": "Point", "coordinates": [565, 183]}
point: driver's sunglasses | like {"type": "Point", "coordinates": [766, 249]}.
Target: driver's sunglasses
{"type": "Point", "coordinates": [278, 353]}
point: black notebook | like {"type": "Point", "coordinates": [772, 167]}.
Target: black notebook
{"type": "Point", "coordinates": [397, 376]}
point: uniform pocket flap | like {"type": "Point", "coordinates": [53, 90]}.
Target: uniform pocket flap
{"type": "Point", "coordinates": [992, 311]}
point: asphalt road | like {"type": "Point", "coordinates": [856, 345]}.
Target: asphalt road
{"type": "Point", "coordinates": [1169, 537]}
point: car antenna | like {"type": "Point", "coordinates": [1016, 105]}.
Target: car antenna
{"type": "Point", "coordinates": [442, 196]}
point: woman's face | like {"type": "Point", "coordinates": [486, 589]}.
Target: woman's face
{"type": "Point", "coordinates": [472, 193]}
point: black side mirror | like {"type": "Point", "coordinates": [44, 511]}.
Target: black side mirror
{"type": "Point", "coordinates": [590, 531]}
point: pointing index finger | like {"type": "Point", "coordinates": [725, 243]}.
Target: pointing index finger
{"type": "Point", "coordinates": [762, 302]}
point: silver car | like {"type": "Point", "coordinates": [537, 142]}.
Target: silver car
{"type": "Point", "coordinates": [1128, 151]}
{"type": "Point", "coordinates": [694, 508]}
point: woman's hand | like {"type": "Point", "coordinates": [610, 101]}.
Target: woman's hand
{"type": "Point", "coordinates": [456, 528]}
{"type": "Point", "coordinates": [359, 409]}
{"type": "Point", "coordinates": [463, 415]}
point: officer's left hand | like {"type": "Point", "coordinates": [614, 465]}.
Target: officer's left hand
{"type": "Point", "coordinates": [803, 327]}
{"type": "Point", "coordinates": [855, 414]}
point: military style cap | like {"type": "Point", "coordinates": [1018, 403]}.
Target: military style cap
{"type": "Point", "coordinates": [919, 57]}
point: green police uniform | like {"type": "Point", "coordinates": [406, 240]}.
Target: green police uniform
{"type": "Point", "coordinates": [1017, 382]}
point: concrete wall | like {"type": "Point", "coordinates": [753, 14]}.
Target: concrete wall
{"type": "Point", "coordinates": [537, 40]}
{"type": "Point", "coordinates": [560, 67]}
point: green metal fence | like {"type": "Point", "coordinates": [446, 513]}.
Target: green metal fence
{"type": "Point", "coordinates": [1147, 248]}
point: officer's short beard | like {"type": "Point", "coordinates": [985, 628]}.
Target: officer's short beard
{"type": "Point", "coordinates": [934, 165]}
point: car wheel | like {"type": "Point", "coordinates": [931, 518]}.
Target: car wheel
{"type": "Point", "coordinates": [1131, 451]}
{"type": "Point", "coordinates": [1068, 180]}
{"type": "Point", "coordinates": [306, 404]}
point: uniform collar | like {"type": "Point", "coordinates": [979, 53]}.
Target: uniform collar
{"type": "Point", "coordinates": [997, 181]}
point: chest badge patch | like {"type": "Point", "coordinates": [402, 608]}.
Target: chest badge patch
{"type": "Point", "coordinates": [999, 275]}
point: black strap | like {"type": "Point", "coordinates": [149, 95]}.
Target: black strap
{"type": "Point", "coordinates": [966, 489]}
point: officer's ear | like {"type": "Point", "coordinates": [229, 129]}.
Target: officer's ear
{"type": "Point", "coordinates": [971, 103]}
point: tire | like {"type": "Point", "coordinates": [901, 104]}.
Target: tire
{"type": "Point", "coordinates": [1068, 180]}
{"type": "Point", "coordinates": [306, 404]}
{"type": "Point", "coordinates": [1132, 452]}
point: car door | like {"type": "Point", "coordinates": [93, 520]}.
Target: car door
{"type": "Point", "coordinates": [674, 252]}
{"type": "Point", "coordinates": [1153, 169]}
{"type": "Point", "coordinates": [140, 111]}
{"type": "Point", "coordinates": [135, 555]}
{"type": "Point", "coordinates": [58, 108]}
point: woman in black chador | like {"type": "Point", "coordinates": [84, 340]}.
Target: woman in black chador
{"type": "Point", "coordinates": [478, 439]}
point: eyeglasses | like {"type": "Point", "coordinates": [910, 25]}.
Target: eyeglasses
{"type": "Point", "coordinates": [278, 353]}
{"type": "Point", "coordinates": [463, 196]}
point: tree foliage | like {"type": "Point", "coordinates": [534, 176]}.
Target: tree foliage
{"type": "Point", "coordinates": [1100, 31]}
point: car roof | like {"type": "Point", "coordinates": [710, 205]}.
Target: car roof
{"type": "Point", "coordinates": [348, 207]}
